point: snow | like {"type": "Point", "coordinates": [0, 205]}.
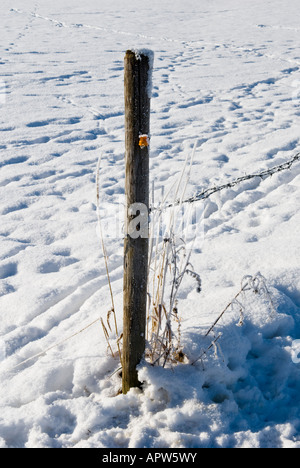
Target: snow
{"type": "Point", "coordinates": [225, 73]}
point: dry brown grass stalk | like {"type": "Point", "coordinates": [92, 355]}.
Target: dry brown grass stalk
{"type": "Point", "coordinates": [112, 310]}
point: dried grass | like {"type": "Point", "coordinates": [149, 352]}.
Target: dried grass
{"type": "Point", "coordinates": [169, 262]}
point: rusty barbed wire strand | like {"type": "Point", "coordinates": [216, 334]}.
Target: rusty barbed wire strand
{"type": "Point", "coordinates": [204, 194]}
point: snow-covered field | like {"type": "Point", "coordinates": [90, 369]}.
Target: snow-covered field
{"type": "Point", "coordinates": [226, 72]}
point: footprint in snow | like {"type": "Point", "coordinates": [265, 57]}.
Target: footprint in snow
{"type": "Point", "coordinates": [8, 270]}
{"type": "Point", "coordinates": [54, 266]}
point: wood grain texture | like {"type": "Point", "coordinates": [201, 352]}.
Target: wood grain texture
{"type": "Point", "coordinates": [137, 122]}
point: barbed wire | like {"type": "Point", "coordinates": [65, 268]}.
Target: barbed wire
{"type": "Point", "coordinates": [204, 194]}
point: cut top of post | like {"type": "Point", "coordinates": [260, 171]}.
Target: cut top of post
{"type": "Point", "coordinates": [139, 54]}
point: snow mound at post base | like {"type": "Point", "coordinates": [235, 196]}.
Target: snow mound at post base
{"type": "Point", "coordinates": [243, 394]}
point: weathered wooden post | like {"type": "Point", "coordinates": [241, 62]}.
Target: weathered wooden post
{"type": "Point", "coordinates": [137, 90]}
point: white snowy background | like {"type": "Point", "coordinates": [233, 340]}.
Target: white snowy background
{"type": "Point", "coordinates": [226, 72]}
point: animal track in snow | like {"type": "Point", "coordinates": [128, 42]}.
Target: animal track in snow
{"type": "Point", "coordinates": [7, 270]}
{"type": "Point", "coordinates": [55, 266]}
{"type": "Point", "coordinates": [14, 160]}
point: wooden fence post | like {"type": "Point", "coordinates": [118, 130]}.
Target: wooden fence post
{"type": "Point", "coordinates": [137, 84]}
